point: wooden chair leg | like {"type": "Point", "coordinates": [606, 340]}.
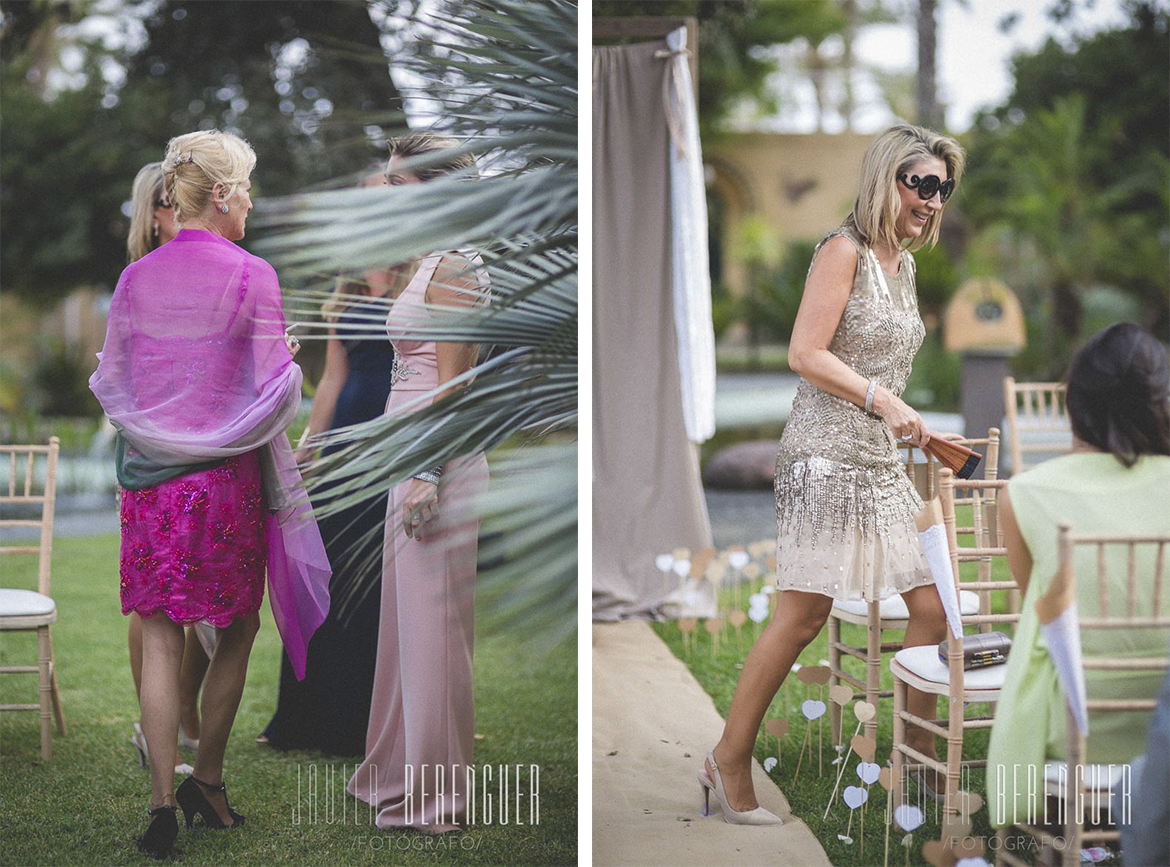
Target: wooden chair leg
{"type": "Point", "coordinates": [835, 728]}
{"type": "Point", "coordinates": [899, 740]}
{"type": "Point", "coordinates": [58, 710]}
{"type": "Point", "coordinates": [44, 676]}
{"type": "Point", "coordinates": [873, 664]}
{"type": "Point", "coordinates": [954, 754]}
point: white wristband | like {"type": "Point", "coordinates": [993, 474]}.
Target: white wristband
{"type": "Point", "coordinates": [869, 395]}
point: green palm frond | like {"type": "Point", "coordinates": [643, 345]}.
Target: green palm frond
{"type": "Point", "coordinates": [502, 78]}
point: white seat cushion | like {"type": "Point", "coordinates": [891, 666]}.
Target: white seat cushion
{"type": "Point", "coordinates": [25, 603]}
{"type": "Point", "coordinates": [894, 608]}
{"type": "Point", "coordinates": [924, 662]}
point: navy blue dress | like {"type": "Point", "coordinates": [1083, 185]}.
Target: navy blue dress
{"type": "Point", "coordinates": [330, 708]}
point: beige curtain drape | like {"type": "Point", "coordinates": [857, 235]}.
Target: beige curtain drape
{"type": "Point", "coordinates": [647, 496]}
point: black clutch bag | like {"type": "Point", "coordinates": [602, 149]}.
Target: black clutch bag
{"type": "Point", "coordinates": [980, 650]}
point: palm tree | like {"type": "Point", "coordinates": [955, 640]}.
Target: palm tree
{"type": "Point", "coordinates": [502, 77]}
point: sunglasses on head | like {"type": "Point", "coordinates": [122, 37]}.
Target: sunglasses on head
{"type": "Point", "coordinates": [162, 203]}
{"type": "Point", "coordinates": [929, 185]}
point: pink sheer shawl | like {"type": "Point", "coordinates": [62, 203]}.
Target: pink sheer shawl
{"type": "Point", "coordinates": [195, 368]}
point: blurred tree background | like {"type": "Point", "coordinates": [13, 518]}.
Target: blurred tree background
{"type": "Point", "coordinates": [294, 78]}
{"type": "Point", "coordinates": [1067, 193]}
{"type": "Point", "coordinates": [1069, 186]}
{"type": "Point", "coordinates": [91, 90]}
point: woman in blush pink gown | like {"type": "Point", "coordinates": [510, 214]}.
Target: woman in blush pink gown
{"type": "Point", "coordinates": [422, 714]}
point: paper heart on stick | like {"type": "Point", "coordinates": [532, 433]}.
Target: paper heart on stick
{"type": "Point", "coordinates": [768, 588]}
{"type": "Point", "coordinates": [758, 614]}
{"type": "Point", "coordinates": [811, 674]}
{"type": "Point", "coordinates": [972, 862]}
{"type": "Point", "coordinates": [771, 563]}
{"type": "Point", "coordinates": [758, 600]}
{"type": "Point", "coordinates": [777, 726]}
{"type": "Point", "coordinates": [812, 709]}
{"type": "Point", "coordinates": [738, 559]}
{"type": "Point", "coordinates": [681, 568]}
{"type": "Point", "coordinates": [737, 618]}
{"type": "Point", "coordinates": [955, 827]}
{"type": "Point", "coordinates": [751, 570]}
{"type": "Point", "coordinates": [687, 624]}
{"type": "Point", "coordinates": [968, 803]}
{"type": "Point", "coordinates": [705, 556]}
{"type": "Point", "coordinates": [770, 763]}
{"type": "Point", "coordinates": [757, 549]}
{"type": "Point", "coordinates": [713, 625]}
{"type": "Point", "coordinates": [869, 772]}
{"type": "Point", "coordinates": [909, 817]}
{"type": "Point", "coordinates": [938, 853]}
{"type": "Point", "coordinates": [841, 693]}
{"type": "Point", "coordinates": [864, 711]}
{"type": "Point", "coordinates": [854, 796]}
{"type": "Point", "coordinates": [663, 562]}
{"type": "Point", "coordinates": [864, 747]}
{"type": "Point", "coordinates": [884, 778]}
{"type": "Point", "coordinates": [681, 553]}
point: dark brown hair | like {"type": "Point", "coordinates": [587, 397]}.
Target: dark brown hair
{"type": "Point", "coordinates": [1119, 393]}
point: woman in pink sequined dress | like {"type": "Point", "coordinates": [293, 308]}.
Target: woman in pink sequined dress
{"type": "Point", "coordinates": [198, 379]}
{"type": "Point", "coordinates": [152, 224]}
{"type": "Point", "coordinates": [422, 712]}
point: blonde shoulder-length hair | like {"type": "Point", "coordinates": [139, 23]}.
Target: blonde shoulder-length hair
{"type": "Point", "coordinates": [893, 152]}
{"type": "Point", "coordinates": [144, 198]}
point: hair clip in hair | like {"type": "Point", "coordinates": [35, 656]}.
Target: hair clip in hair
{"type": "Point", "coordinates": [191, 158]}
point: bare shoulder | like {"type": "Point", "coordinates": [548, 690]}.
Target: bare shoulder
{"type": "Point", "coordinates": [838, 252]}
{"type": "Point", "coordinates": [457, 280]}
{"type": "Point", "coordinates": [834, 267]}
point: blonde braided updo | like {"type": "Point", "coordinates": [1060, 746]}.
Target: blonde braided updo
{"type": "Point", "coordinates": [196, 162]}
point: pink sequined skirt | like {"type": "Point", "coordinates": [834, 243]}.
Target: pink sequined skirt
{"type": "Point", "coordinates": [195, 547]}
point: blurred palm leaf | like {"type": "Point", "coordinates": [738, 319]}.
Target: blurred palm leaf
{"type": "Point", "coordinates": [501, 77]}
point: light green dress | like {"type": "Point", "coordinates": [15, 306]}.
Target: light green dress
{"type": "Point", "coordinates": [1096, 494]}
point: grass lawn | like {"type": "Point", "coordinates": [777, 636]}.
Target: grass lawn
{"type": "Point", "coordinates": [809, 794]}
{"type": "Point", "coordinates": [88, 805]}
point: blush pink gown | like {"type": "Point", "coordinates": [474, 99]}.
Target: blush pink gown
{"type": "Point", "coordinates": [422, 712]}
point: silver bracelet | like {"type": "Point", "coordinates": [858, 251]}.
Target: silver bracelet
{"type": "Point", "coordinates": [869, 395]}
{"type": "Point", "coordinates": [431, 475]}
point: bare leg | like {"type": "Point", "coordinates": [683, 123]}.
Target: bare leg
{"type": "Point", "coordinates": [221, 699]}
{"type": "Point", "coordinates": [797, 621]}
{"type": "Point", "coordinates": [195, 663]}
{"type": "Point", "coordinates": [134, 640]}
{"type": "Point", "coordinates": [927, 626]}
{"type": "Point", "coordinates": [162, 655]}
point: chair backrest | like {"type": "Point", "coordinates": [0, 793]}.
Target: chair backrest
{"type": "Point", "coordinates": [1037, 421]}
{"type": "Point", "coordinates": [1129, 598]}
{"type": "Point", "coordinates": [987, 546]}
{"type": "Point", "coordinates": [28, 478]}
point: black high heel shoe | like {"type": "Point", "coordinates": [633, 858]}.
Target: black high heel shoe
{"type": "Point", "coordinates": [160, 835]}
{"type": "Point", "coordinates": [191, 798]}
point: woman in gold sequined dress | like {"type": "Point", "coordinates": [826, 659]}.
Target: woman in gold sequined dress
{"type": "Point", "coordinates": [844, 504]}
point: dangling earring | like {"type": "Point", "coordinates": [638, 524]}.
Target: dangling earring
{"type": "Point", "coordinates": [223, 208]}
{"type": "Point", "coordinates": [156, 230]}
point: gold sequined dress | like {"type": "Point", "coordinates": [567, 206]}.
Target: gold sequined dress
{"type": "Point", "coordinates": [844, 504]}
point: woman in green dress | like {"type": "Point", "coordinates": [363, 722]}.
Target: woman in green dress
{"type": "Point", "coordinates": [1115, 480]}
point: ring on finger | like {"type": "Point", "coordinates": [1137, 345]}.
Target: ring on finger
{"type": "Point", "coordinates": [906, 437]}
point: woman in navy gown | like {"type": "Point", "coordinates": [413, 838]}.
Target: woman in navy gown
{"type": "Point", "coordinates": [329, 709]}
